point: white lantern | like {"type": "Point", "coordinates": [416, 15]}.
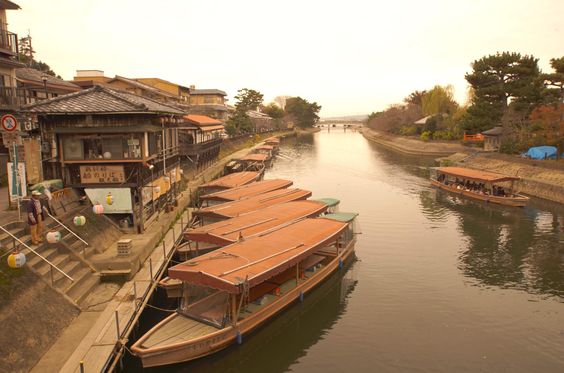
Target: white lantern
{"type": "Point", "coordinates": [79, 220]}
{"type": "Point", "coordinates": [53, 237]}
{"type": "Point", "coordinates": [107, 155]}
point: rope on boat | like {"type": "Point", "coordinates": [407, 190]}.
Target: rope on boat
{"type": "Point", "coordinates": [160, 309]}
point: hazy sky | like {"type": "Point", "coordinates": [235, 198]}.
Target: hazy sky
{"type": "Point", "coordinates": [352, 57]}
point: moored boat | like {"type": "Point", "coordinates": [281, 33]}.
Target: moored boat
{"type": "Point", "coordinates": [229, 293]}
{"type": "Point", "coordinates": [210, 237]}
{"type": "Point", "coordinates": [481, 185]}
{"type": "Point", "coordinates": [228, 210]}
{"type": "Point", "coordinates": [229, 181]}
{"type": "Point", "coordinates": [244, 191]}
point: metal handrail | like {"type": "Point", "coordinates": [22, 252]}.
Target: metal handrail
{"type": "Point", "coordinates": [64, 226]}
{"type": "Point", "coordinates": [36, 253]}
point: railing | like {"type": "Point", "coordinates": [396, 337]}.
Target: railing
{"type": "Point", "coordinates": [39, 255]}
{"type": "Point", "coordinates": [14, 97]}
{"type": "Point", "coordinates": [67, 228]}
{"type": "Point", "coordinates": [189, 149]}
{"type": "Point", "coordinates": [9, 42]}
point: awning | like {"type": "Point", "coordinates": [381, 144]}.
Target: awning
{"type": "Point", "coordinates": [211, 128]}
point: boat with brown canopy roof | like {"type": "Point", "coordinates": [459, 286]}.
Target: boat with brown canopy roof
{"type": "Point", "coordinates": [481, 185]}
{"type": "Point", "coordinates": [210, 237]}
{"type": "Point", "coordinates": [229, 293]}
{"type": "Point", "coordinates": [232, 209]}
{"type": "Point", "coordinates": [244, 191]}
{"type": "Point", "coordinates": [233, 180]}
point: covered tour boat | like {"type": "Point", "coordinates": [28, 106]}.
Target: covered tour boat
{"type": "Point", "coordinates": [202, 240]}
{"type": "Point", "coordinates": [481, 185]}
{"type": "Point", "coordinates": [230, 292]}
{"type": "Point", "coordinates": [228, 210]}
{"type": "Point", "coordinates": [244, 191]}
{"type": "Point", "coordinates": [233, 180]}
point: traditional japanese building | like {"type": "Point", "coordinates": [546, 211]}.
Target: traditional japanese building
{"type": "Point", "coordinates": [39, 85]}
{"type": "Point", "coordinates": [105, 142]}
{"type": "Point", "coordinates": [210, 102]}
{"type": "Point", "coordinates": [200, 139]}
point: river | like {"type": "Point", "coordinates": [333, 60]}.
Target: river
{"type": "Point", "coordinates": [441, 284]}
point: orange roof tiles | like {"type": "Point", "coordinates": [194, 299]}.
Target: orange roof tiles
{"type": "Point", "coordinates": [232, 180]}
{"type": "Point", "coordinates": [255, 157]}
{"type": "Point", "coordinates": [202, 120]}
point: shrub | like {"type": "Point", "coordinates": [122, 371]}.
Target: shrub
{"type": "Point", "coordinates": [425, 136]}
{"type": "Point", "coordinates": [408, 130]}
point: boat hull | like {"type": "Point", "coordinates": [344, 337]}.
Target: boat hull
{"type": "Point", "coordinates": [222, 338]}
{"type": "Point", "coordinates": [519, 201]}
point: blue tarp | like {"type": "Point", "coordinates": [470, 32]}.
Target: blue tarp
{"type": "Point", "coordinates": [541, 152]}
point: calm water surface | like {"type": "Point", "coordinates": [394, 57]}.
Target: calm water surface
{"type": "Point", "coordinates": [441, 284]}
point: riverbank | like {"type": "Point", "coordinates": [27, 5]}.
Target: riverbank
{"type": "Point", "coordinates": [542, 179]}
{"type": "Point", "coordinates": [413, 146]}
{"type": "Point", "coordinates": [71, 340]}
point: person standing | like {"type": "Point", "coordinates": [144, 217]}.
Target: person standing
{"type": "Point", "coordinates": [35, 218]}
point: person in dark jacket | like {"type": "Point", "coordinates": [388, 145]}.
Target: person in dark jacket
{"type": "Point", "coordinates": [35, 218]}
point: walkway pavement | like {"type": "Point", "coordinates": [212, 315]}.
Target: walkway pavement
{"type": "Point", "coordinates": [7, 215]}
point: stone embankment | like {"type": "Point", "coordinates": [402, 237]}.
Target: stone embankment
{"type": "Point", "coordinates": [543, 179]}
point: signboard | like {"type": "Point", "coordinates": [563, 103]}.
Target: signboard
{"type": "Point", "coordinates": [19, 183]}
{"type": "Point", "coordinates": [9, 123]}
{"type": "Point", "coordinates": [97, 174]}
{"type": "Point", "coordinates": [32, 157]}
{"type": "Point", "coordinates": [121, 199]}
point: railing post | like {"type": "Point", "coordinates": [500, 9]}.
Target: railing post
{"type": "Point", "coordinates": [117, 324]}
{"type": "Point", "coordinates": [81, 366]}
{"type": "Point", "coordinates": [151, 268]}
{"type": "Point", "coordinates": [52, 281]}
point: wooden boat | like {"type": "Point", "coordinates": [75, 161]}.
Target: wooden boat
{"type": "Point", "coordinates": [229, 293]}
{"type": "Point", "coordinates": [228, 210]}
{"type": "Point", "coordinates": [265, 149]}
{"type": "Point", "coordinates": [253, 161]}
{"type": "Point", "coordinates": [229, 181]}
{"type": "Point", "coordinates": [273, 141]}
{"type": "Point", "coordinates": [210, 237]}
{"type": "Point", "coordinates": [480, 185]}
{"type": "Point", "coordinates": [244, 191]}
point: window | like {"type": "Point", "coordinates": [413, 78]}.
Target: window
{"type": "Point", "coordinates": [102, 147]}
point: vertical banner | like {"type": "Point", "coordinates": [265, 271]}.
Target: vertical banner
{"type": "Point", "coordinates": [16, 181]}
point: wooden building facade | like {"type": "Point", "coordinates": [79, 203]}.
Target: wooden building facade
{"type": "Point", "coordinates": [200, 139]}
{"type": "Point", "coordinates": [104, 142]}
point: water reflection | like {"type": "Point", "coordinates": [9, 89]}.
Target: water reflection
{"type": "Point", "coordinates": [287, 337]}
{"type": "Point", "coordinates": [506, 247]}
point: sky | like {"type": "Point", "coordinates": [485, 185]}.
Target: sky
{"type": "Point", "coordinates": [351, 57]}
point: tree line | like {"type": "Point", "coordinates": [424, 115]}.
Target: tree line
{"type": "Point", "coordinates": [283, 111]}
{"type": "Point", "coordinates": [505, 89]}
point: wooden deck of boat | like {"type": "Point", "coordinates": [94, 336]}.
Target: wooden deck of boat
{"type": "Point", "coordinates": [179, 329]}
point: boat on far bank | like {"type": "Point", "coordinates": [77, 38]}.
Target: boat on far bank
{"type": "Point", "coordinates": [481, 185]}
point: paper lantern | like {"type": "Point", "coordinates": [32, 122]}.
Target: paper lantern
{"type": "Point", "coordinates": [98, 209]}
{"type": "Point", "coordinates": [16, 260]}
{"type": "Point", "coordinates": [107, 155]}
{"type": "Point", "coordinates": [53, 237]}
{"type": "Point", "coordinates": [110, 199]}
{"type": "Point", "coordinates": [79, 220]}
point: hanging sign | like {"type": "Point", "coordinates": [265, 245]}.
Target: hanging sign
{"type": "Point", "coordinates": [102, 174]}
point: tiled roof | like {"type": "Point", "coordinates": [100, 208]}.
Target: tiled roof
{"type": "Point", "coordinates": [36, 76]}
{"type": "Point", "coordinates": [202, 120]}
{"type": "Point", "coordinates": [207, 92]}
{"type": "Point", "coordinates": [143, 86]}
{"type": "Point", "coordinates": [100, 99]}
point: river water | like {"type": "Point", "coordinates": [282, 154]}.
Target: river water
{"type": "Point", "coordinates": [441, 284]}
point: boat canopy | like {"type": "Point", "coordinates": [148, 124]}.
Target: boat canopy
{"type": "Point", "coordinates": [483, 176]}
{"type": "Point", "coordinates": [272, 140]}
{"type": "Point", "coordinates": [260, 258]}
{"type": "Point", "coordinates": [229, 231]}
{"type": "Point", "coordinates": [248, 190]}
{"type": "Point", "coordinates": [345, 217]}
{"type": "Point", "coordinates": [330, 202]}
{"type": "Point", "coordinates": [236, 208]}
{"type": "Point", "coordinates": [233, 180]}
{"type": "Point", "coordinates": [255, 157]}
